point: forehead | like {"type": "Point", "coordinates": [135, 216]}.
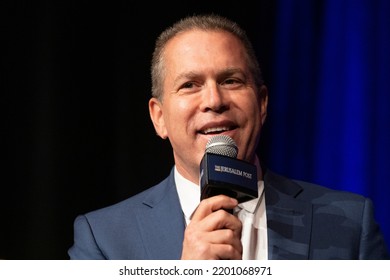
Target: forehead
{"type": "Point", "coordinates": [204, 48]}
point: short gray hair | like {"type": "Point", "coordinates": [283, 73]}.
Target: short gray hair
{"type": "Point", "coordinates": [202, 22]}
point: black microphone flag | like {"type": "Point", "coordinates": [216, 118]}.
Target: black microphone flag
{"type": "Point", "coordinates": [222, 173]}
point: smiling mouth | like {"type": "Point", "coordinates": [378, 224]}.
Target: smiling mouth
{"type": "Point", "coordinates": [215, 130]}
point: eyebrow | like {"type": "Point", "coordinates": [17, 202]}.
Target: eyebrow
{"type": "Point", "coordinates": [230, 71]}
{"type": "Point", "coordinates": [190, 74]}
{"type": "Point", "coordinates": [225, 72]}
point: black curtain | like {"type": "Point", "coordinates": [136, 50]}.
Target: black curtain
{"type": "Point", "coordinates": [76, 133]}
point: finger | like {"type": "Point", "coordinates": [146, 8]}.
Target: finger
{"type": "Point", "coordinates": [211, 204]}
{"type": "Point", "coordinates": [221, 219]}
{"type": "Point", "coordinates": [227, 252]}
{"type": "Point", "coordinates": [208, 246]}
{"type": "Point", "coordinates": [216, 221]}
{"type": "Point", "coordinates": [225, 236]}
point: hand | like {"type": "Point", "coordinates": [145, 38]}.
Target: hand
{"type": "Point", "coordinates": [213, 233]}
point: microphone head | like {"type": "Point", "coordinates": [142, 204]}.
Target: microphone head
{"type": "Point", "coordinates": [222, 145]}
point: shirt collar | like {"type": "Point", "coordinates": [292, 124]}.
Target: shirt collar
{"type": "Point", "coordinates": [189, 194]}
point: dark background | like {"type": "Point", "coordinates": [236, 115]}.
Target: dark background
{"type": "Point", "coordinates": [75, 127]}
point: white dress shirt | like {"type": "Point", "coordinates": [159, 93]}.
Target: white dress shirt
{"type": "Point", "coordinates": [252, 214]}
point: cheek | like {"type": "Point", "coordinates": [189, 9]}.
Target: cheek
{"type": "Point", "coordinates": [182, 105]}
{"type": "Point", "coordinates": [254, 117]}
{"type": "Point", "coordinates": [251, 109]}
{"type": "Point", "coordinates": [178, 114]}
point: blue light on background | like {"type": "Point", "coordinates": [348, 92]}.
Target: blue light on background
{"type": "Point", "coordinates": [330, 97]}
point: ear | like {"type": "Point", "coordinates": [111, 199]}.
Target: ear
{"type": "Point", "coordinates": [156, 115]}
{"type": "Point", "coordinates": [263, 103]}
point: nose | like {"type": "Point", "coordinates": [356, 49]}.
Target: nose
{"type": "Point", "coordinates": [213, 99]}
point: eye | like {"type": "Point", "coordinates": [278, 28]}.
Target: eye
{"type": "Point", "coordinates": [189, 88]}
{"type": "Point", "coordinates": [231, 81]}
{"type": "Point", "coordinates": [188, 85]}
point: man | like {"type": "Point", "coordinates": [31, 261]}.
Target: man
{"type": "Point", "coordinates": [206, 81]}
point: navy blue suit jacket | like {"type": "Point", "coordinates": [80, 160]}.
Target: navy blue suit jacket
{"type": "Point", "coordinates": [305, 221]}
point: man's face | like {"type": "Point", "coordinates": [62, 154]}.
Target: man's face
{"type": "Point", "coordinates": [208, 90]}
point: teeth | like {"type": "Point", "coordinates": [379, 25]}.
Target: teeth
{"type": "Point", "coordinates": [215, 129]}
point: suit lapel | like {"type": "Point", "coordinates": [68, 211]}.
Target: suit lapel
{"type": "Point", "coordinates": [161, 222]}
{"type": "Point", "coordinates": [289, 220]}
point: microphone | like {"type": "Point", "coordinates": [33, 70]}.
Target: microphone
{"type": "Point", "coordinates": [222, 173]}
